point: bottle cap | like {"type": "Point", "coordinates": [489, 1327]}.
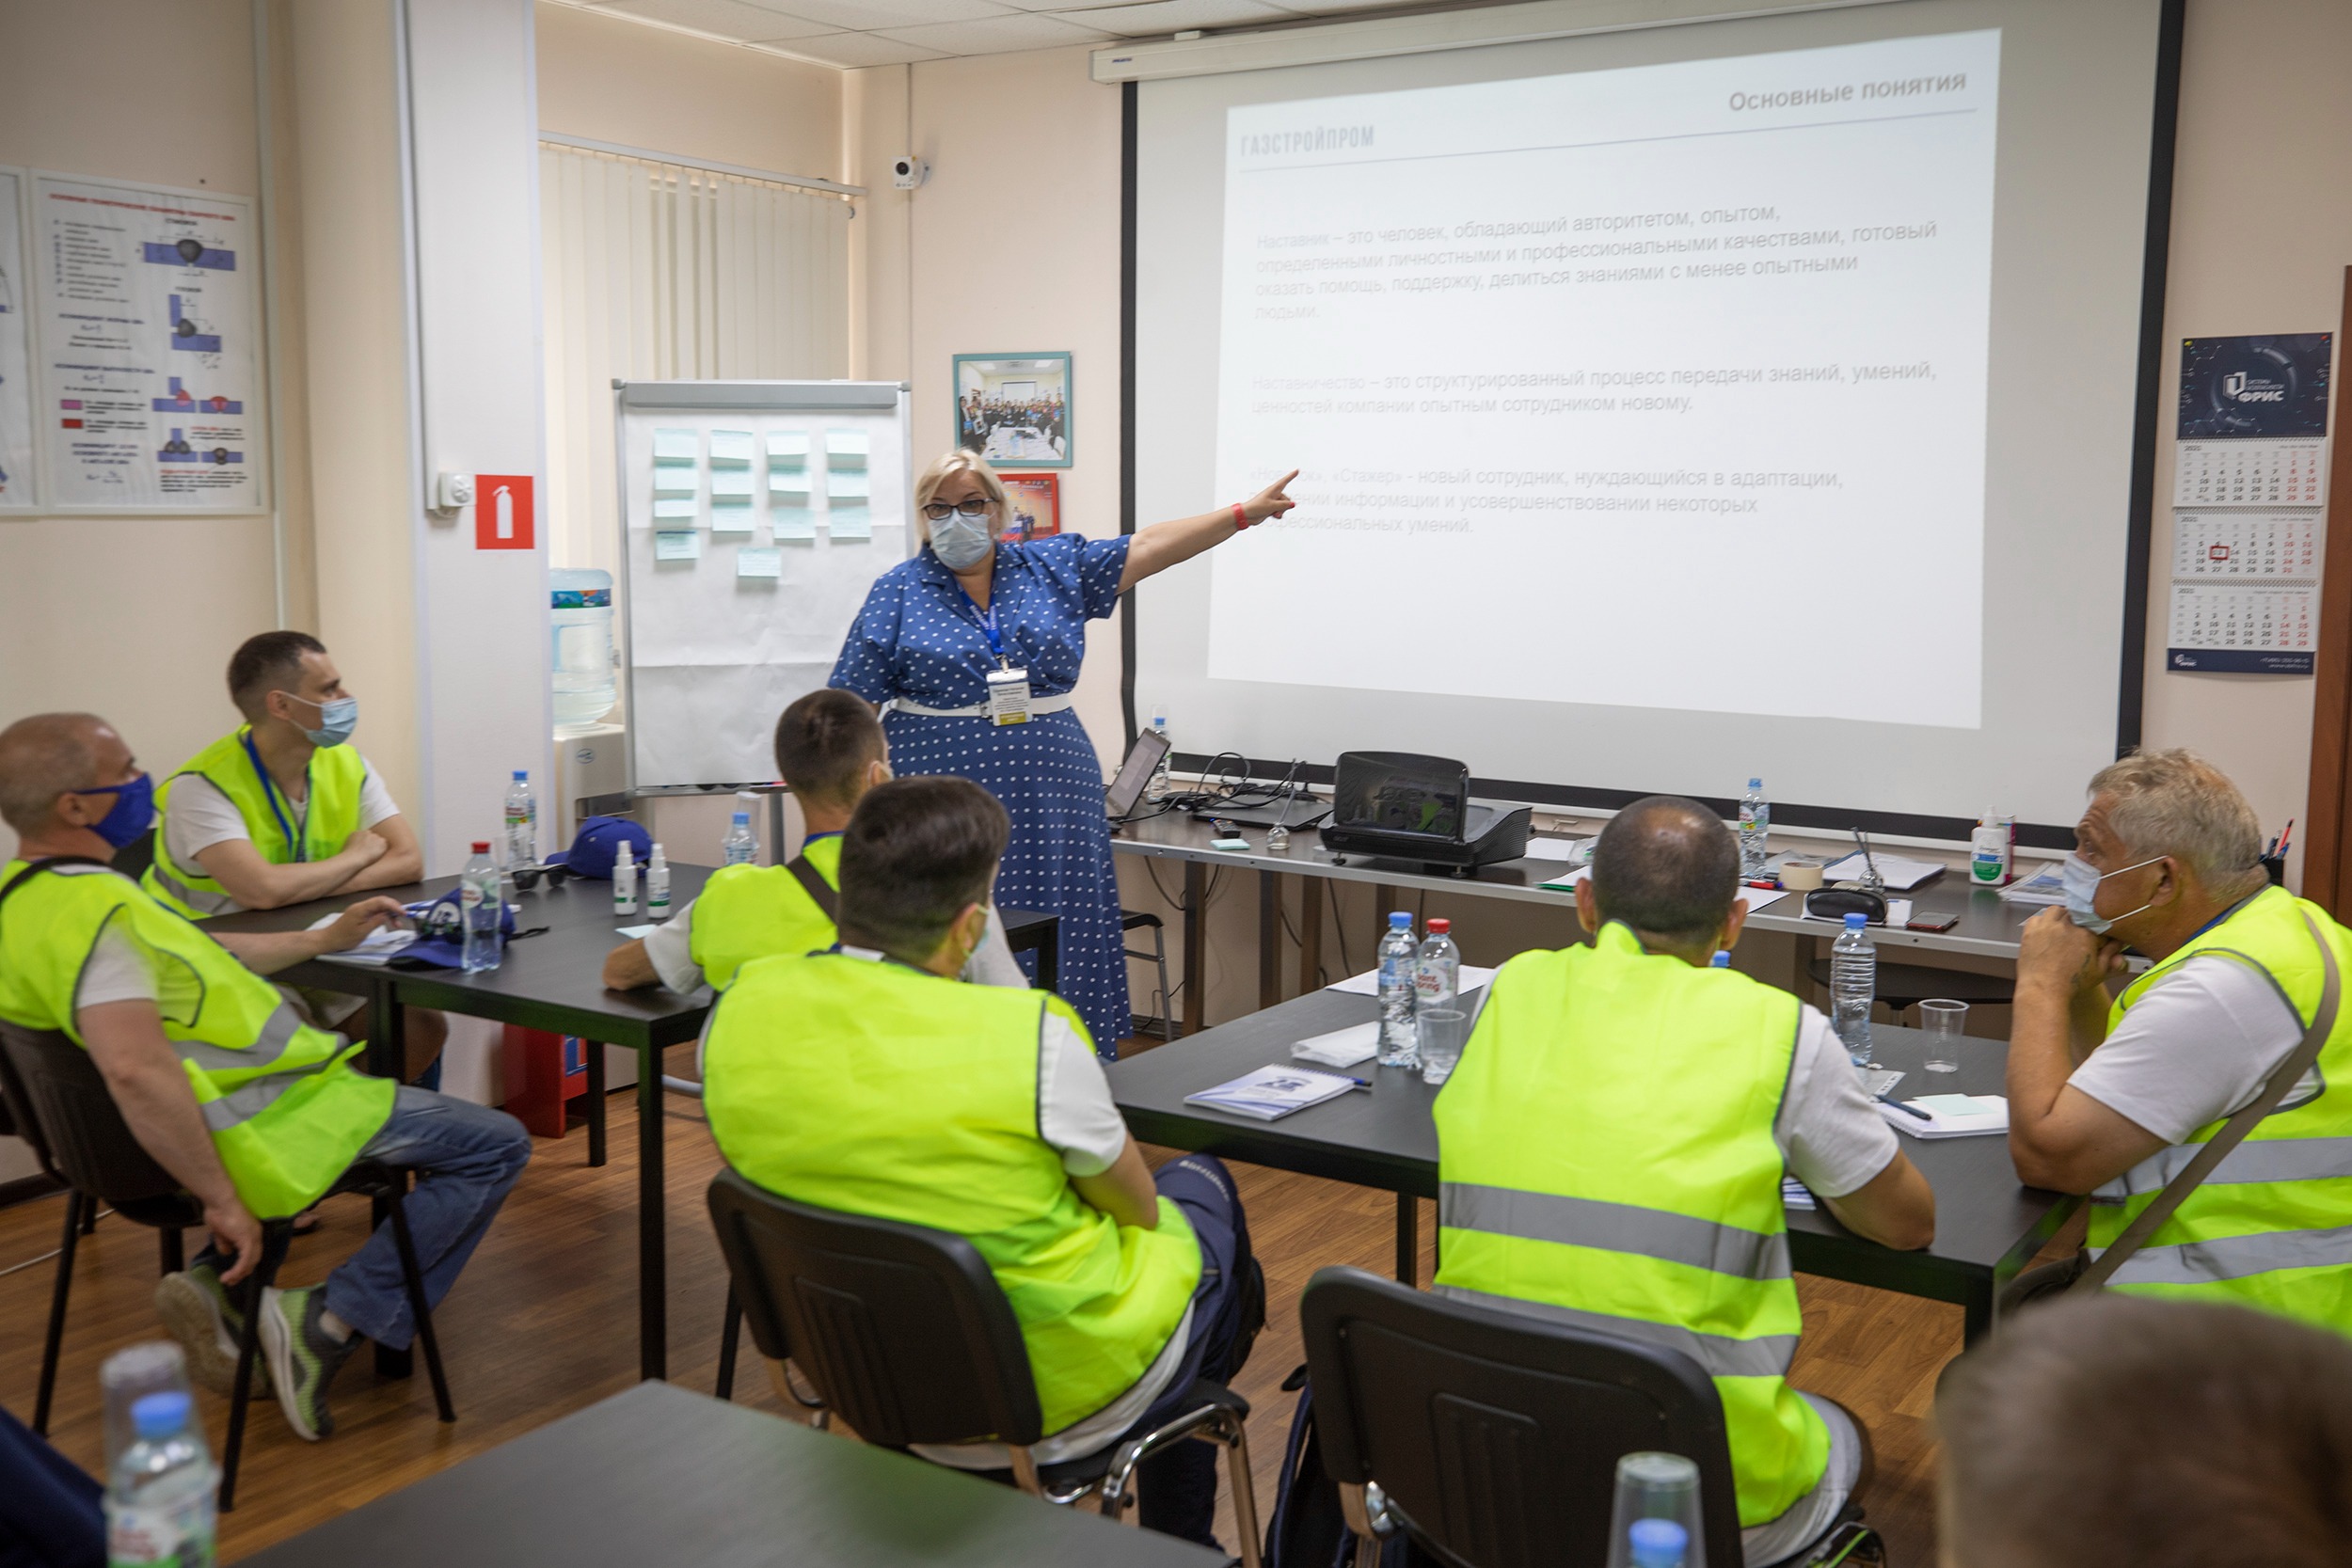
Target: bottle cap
{"type": "Point", "coordinates": [1721, 961]}
{"type": "Point", "coordinates": [1441, 925]}
{"type": "Point", "coordinates": [521, 775]}
{"type": "Point", "coordinates": [1657, 1543]}
{"type": "Point", "coordinates": [1856, 921]}
{"type": "Point", "coordinates": [1756, 783]}
{"type": "Point", "coordinates": [742, 819]}
{"type": "Point", "coordinates": [622, 856]}
{"type": "Point", "coordinates": [480, 845]}
{"type": "Point", "coordinates": [160, 1414]}
{"type": "Point", "coordinates": [656, 850]}
{"type": "Point", "coordinates": [1400, 920]}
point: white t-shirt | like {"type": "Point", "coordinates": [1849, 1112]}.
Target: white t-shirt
{"type": "Point", "coordinates": [2199, 1044]}
{"type": "Point", "coordinates": [1830, 1131]}
{"type": "Point", "coordinates": [670, 947]}
{"type": "Point", "coordinates": [199, 815]}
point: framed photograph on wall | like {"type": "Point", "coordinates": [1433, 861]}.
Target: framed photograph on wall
{"type": "Point", "coordinates": [1014, 407]}
{"type": "Point", "coordinates": [1036, 506]}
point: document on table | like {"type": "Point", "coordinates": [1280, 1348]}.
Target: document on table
{"type": "Point", "coordinates": [1357, 1042]}
{"type": "Point", "coordinates": [1757, 897]}
{"type": "Point", "coordinates": [376, 949]}
{"type": "Point", "coordinates": [1573, 851]}
{"type": "Point", "coordinates": [1273, 1092]}
{"type": "Point", "coordinates": [1950, 1116]}
{"type": "Point", "coordinates": [1368, 983]}
{"type": "Point", "coordinates": [1899, 873]}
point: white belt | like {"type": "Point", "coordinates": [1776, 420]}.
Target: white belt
{"type": "Point", "coordinates": [979, 710]}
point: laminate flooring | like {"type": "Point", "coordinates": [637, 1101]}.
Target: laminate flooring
{"type": "Point", "coordinates": [545, 1322]}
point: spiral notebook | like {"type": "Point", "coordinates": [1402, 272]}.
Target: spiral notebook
{"type": "Point", "coordinates": [1273, 1092]}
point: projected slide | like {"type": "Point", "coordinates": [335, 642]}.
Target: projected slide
{"type": "Point", "coordinates": [1661, 387]}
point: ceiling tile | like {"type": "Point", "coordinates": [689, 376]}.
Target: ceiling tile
{"type": "Point", "coordinates": [1161, 17]}
{"type": "Point", "coordinates": [726, 19]}
{"type": "Point", "coordinates": [997, 34]}
{"type": "Point", "coordinates": [867, 16]}
{"type": "Point", "coordinates": [851, 50]}
{"type": "Point", "coordinates": [1327, 8]}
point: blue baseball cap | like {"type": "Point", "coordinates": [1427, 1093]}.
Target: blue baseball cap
{"type": "Point", "coordinates": [598, 844]}
{"type": "Point", "coordinates": [440, 934]}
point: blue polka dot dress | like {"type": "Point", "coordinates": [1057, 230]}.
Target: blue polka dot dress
{"type": "Point", "coordinates": [919, 638]}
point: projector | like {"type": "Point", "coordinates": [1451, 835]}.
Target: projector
{"type": "Point", "coordinates": [1401, 805]}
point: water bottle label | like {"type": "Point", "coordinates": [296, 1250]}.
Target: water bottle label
{"type": "Point", "coordinates": [1432, 986]}
{"type": "Point", "coordinates": [468, 896]}
{"type": "Point", "coordinates": [1985, 866]}
{"type": "Point", "coordinates": [180, 1537]}
{"type": "Point", "coordinates": [580, 598]}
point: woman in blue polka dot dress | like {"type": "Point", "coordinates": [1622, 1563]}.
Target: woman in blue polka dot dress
{"type": "Point", "coordinates": [969, 603]}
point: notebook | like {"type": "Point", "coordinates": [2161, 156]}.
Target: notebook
{"type": "Point", "coordinates": [1273, 1092]}
{"type": "Point", "coordinates": [1949, 1115]}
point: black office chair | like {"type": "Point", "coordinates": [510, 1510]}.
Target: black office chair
{"type": "Point", "coordinates": [60, 1104]}
{"type": "Point", "coordinates": [134, 858]}
{"type": "Point", "coordinates": [1904, 985]}
{"type": "Point", "coordinates": [908, 1337]}
{"type": "Point", "coordinates": [1493, 1439]}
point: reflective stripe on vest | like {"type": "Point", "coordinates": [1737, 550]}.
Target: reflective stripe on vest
{"type": "Point", "coordinates": [876, 1089]}
{"type": "Point", "coordinates": [330, 818]}
{"type": "Point", "coordinates": [1606, 1161]}
{"type": "Point", "coordinates": [2266, 1229]}
{"type": "Point", "coordinates": [287, 1111]}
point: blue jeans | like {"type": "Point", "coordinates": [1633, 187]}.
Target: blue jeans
{"type": "Point", "coordinates": [466, 1158]}
{"type": "Point", "coordinates": [1177, 1487]}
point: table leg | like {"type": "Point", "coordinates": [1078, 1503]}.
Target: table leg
{"type": "Point", "coordinates": [1310, 935]}
{"type": "Point", "coordinates": [387, 1058]}
{"type": "Point", "coordinates": [1977, 1317]}
{"type": "Point", "coordinates": [1269, 938]}
{"type": "Point", "coordinates": [594, 1051]}
{"type": "Point", "coordinates": [653, 1284]}
{"type": "Point", "coordinates": [1407, 1237]}
{"type": "Point", "coordinates": [1049, 962]}
{"type": "Point", "coordinates": [1195, 947]}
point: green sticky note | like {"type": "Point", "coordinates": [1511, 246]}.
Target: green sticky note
{"type": "Point", "coordinates": [760, 561]}
{"type": "Point", "coordinates": [668, 509]}
{"type": "Point", "coordinates": [731, 446]}
{"type": "Point", "coordinates": [675, 443]}
{"type": "Point", "coordinates": [730, 482]}
{"type": "Point", "coordinates": [677, 544]}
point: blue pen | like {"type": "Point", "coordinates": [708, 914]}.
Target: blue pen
{"type": "Point", "coordinates": [1907, 1110]}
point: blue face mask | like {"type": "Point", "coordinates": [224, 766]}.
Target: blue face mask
{"type": "Point", "coordinates": [961, 543]}
{"type": "Point", "coordinates": [337, 720]}
{"type": "Point", "coordinates": [133, 813]}
{"type": "Point", "coordinates": [2081, 880]}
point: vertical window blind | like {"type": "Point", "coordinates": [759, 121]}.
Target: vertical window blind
{"type": "Point", "coordinates": [668, 272]}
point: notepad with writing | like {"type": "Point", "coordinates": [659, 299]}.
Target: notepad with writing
{"type": "Point", "coordinates": [1273, 1092]}
{"type": "Point", "coordinates": [1949, 1115]}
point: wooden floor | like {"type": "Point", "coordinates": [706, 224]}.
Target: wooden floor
{"type": "Point", "coordinates": [545, 1322]}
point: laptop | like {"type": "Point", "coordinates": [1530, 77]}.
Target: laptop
{"type": "Point", "coordinates": [1143, 760]}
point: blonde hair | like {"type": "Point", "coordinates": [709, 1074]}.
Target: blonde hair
{"type": "Point", "coordinates": [960, 460]}
{"type": "Point", "coordinates": [2174, 802]}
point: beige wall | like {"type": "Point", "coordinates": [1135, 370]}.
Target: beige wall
{"type": "Point", "coordinates": [132, 617]}
{"type": "Point", "coordinates": [2261, 231]}
{"type": "Point", "coordinates": [609, 79]}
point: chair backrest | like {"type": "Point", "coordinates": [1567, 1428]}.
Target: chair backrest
{"type": "Point", "coordinates": [134, 858]}
{"type": "Point", "coordinates": [903, 1329]}
{"type": "Point", "coordinates": [63, 1108]}
{"type": "Point", "coordinates": [1497, 1437]}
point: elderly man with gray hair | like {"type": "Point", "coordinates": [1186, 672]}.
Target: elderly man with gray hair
{"type": "Point", "coordinates": [2112, 1097]}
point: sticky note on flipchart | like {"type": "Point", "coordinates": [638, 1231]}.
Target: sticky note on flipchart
{"type": "Point", "coordinates": [759, 561]}
{"type": "Point", "coordinates": [667, 508]}
{"type": "Point", "coordinates": [856, 483]}
{"type": "Point", "coordinates": [787, 482]}
{"type": "Point", "coordinates": [674, 477]}
{"type": "Point", "coordinates": [731, 445]}
{"type": "Point", "coordinates": [730, 482]}
{"type": "Point", "coordinates": [731, 518]}
{"type": "Point", "coordinates": [675, 443]}
{"type": "Point", "coordinates": [846, 449]}
{"type": "Point", "coordinates": [791, 522]}
{"type": "Point", "coordinates": [677, 544]}
{"type": "Point", "coordinates": [787, 446]}
{"type": "Point", "coordinates": [850, 522]}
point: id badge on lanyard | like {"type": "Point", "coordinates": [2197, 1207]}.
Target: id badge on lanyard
{"type": "Point", "coordinates": [1007, 687]}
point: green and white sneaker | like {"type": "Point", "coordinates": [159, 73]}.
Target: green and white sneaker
{"type": "Point", "coordinates": [198, 1311]}
{"type": "Point", "coordinates": [303, 1356]}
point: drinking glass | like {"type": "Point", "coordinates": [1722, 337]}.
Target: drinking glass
{"type": "Point", "coordinates": [1443, 1032]}
{"type": "Point", "coordinates": [1655, 1520]}
{"type": "Point", "coordinates": [1945, 1020]}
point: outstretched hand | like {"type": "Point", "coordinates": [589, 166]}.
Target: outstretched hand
{"type": "Point", "coordinates": [1271, 502]}
{"type": "Point", "coordinates": [359, 922]}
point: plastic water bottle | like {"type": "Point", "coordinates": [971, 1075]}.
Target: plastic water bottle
{"type": "Point", "coordinates": [1399, 960]}
{"type": "Point", "coordinates": [159, 1493]}
{"type": "Point", "coordinates": [1437, 968]}
{"type": "Point", "coordinates": [522, 822]}
{"type": "Point", "coordinates": [1158, 788]}
{"type": "Point", "coordinates": [657, 885]}
{"type": "Point", "coordinates": [481, 902]}
{"type": "Point", "coordinates": [625, 880]}
{"type": "Point", "coordinates": [741, 845]}
{"type": "Point", "coordinates": [1853, 984]}
{"type": "Point", "coordinates": [580, 653]}
{"type": "Point", "coordinates": [1755, 826]}
{"type": "Point", "coordinates": [1440, 1025]}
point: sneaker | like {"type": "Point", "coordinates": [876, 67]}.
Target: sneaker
{"type": "Point", "coordinates": [303, 1356]}
{"type": "Point", "coordinates": [198, 1311]}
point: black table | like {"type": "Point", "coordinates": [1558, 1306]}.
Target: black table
{"type": "Point", "coordinates": [1987, 1225]}
{"type": "Point", "coordinates": [657, 1475]}
{"type": "Point", "coordinates": [554, 981]}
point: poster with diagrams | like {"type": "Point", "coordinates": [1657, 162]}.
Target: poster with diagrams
{"type": "Point", "coordinates": [16, 363]}
{"type": "Point", "coordinates": [149, 388]}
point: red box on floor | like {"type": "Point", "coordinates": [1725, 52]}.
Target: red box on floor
{"type": "Point", "coordinates": [545, 1073]}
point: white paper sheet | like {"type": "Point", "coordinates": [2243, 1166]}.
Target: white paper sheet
{"type": "Point", "coordinates": [1569, 849]}
{"type": "Point", "coordinates": [1902, 873]}
{"type": "Point", "coordinates": [1368, 983]}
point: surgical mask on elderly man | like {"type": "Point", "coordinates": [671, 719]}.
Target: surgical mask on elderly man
{"type": "Point", "coordinates": [2080, 881]}
{"type": "Point", "coordinates": [960, 542]}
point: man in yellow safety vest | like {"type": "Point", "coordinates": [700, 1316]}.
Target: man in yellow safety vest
{"type": "Point", "coordinates": [2113, 1097]}
{"type": "Point", "coordinates": [830, 749]}
{"type": "Point", "coordinates": [254, 1110]}
{"type": "Point", "coordinates": [1611, 1150]}
{"type": "Point", "coordinates": [870, 1079]}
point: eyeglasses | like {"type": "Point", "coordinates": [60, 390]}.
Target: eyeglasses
{"type": "Point", "coordinates": [526, 876]}
{"type": "Point", "coordinates": [971, 511]}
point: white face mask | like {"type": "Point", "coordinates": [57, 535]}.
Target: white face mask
{"type": "Point", "coordinates": [961, 542]}
{"type": "Point", "coordinates": [2081, 879]}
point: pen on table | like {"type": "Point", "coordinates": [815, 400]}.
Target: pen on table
{"type": "Point", "coordinates": [1907, 1110]}
{"type": "Point", "coordinates": [1354, 1082]}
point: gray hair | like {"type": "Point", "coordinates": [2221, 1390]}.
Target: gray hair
{"type": "Point", "coordinates": [41, 758]}
{"type": "Point", "coordinates": [960, 460]}
{"type": "Point", "coordinates": [2176, 803]}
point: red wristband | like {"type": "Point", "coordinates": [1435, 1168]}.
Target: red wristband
{"type": "Point", "coordinates": [1241, 518]}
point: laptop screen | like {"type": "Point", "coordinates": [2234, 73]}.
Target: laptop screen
{"type": "Point", "coordinates": [1134, 773]}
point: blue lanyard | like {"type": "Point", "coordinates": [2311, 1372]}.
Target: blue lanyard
{"type": "Point", "coordinates": [814, 837]}
{"type": "Point", "coordinates": [299, 843]}
{"type": "Point", "coordinates": [988, 623]}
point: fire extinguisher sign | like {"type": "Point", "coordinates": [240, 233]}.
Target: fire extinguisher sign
{"type": "Point", "coordinates": [503, 514]}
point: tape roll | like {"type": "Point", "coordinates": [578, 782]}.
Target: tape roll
{"type": "Point", "coordinates": [1800, 876]}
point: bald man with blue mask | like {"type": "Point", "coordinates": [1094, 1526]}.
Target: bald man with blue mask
{"type": "Point", "coordinates": [2111, 1091]}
